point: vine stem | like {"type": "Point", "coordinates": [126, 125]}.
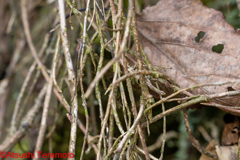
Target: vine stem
{"type": "Point", "coordinates": [71, 78]}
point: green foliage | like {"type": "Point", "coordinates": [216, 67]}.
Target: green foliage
{"type": "Point", "coordinates": [228, 8]}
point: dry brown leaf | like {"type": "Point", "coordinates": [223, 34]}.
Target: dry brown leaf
{"type": "Point", "coordinates": [168, 33]}
{"type": "Point", "coordinates": [231, 130]}
{"type": "Point", "coordinates": [227, 152]}
{"type": "Point", "coordinates": [211, 148]}
{"type": "Point", "coordinates": [230, 138]}
{"type": "Point", "coordinates": [223, 152]}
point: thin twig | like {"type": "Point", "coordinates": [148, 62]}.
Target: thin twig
{"type": "Point", "coordinates": [71, 78]}
{"type": "Point", "coordinates": [202, 98]}
{"type": "Point", "coordinates": [17, 105]}
{"type": "Point", "coordinates": [158, 143]}
{"type": "Point", "coordinates": [195, 143]}
{"type": "Point", "coordinates": [96, 79]}
{"type": "Point", "coordinates": [110, 63]}
{"type": "Point", "coordinates": [185, 89]}
{"type": "Point", "coordinates": [151, 156]}
{"type": "Point", "coordinates": [82, 64]}
{"type": "Point", "coordinates": [43, 125]}
{"type": "Point", "coordinates": [97, 89]}
{"type": "Point", "coordinates": [114, 110]}
{"type": "Point", "coordinates": [26, 123]}
{"type": "Point", "coordinates": [32, 48]}
{"type": "Point", "coordinates": [135, 73]}
{"type": "Point", "coordinates": [164, 128]}
{"type": "Point", "coordinates": [129, 132]}
{"type": "Point", "coordinates": [91, 100]}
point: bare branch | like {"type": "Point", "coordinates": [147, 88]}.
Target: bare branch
{"type": "Point", "coordinates": [71, 78]}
